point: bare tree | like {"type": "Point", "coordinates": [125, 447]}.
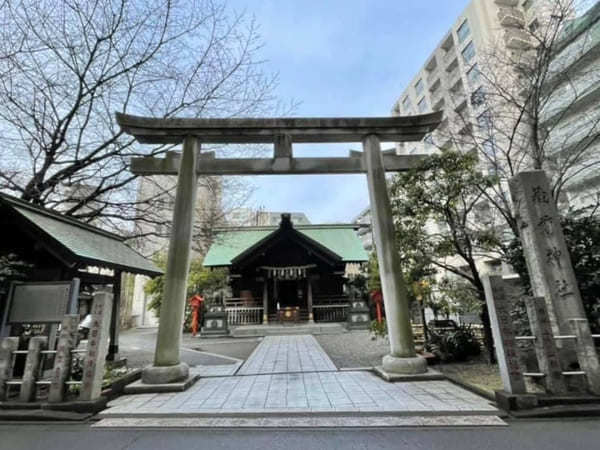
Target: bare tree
{"type": "Point", "coordinates": [66, 67]}
{"type": "Point", "coordinates": [534, 107]}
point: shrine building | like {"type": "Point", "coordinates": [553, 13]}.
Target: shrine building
{"type": "Point", "coordinates": [287, 272]}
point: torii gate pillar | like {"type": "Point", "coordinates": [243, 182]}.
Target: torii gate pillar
{"type": "Point", "coordinates": [168, 367]}
{"type": "Point", "coordinates": [402, 358]}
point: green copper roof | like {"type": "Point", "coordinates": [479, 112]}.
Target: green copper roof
{"type": "Point", "coordinates": [89, 244]}
{"type": "Point", "coordinates": [340, 239]}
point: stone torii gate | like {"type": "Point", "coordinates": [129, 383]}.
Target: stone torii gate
{"type": "Point", "coordinates": [282, 132]}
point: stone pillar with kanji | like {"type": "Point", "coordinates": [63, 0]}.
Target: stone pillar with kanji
{"type": "Point", "coordinates": [548, 261]}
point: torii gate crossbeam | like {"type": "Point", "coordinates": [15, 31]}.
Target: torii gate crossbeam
{"type": "Point", "coordinates": [282, 132]}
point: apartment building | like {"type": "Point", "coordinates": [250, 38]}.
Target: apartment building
{"type": "Point", "coordinates": [245, 217]}
{"type": "Point", "coordinates": [450, 78]}
{"type": "Point", "coordinates": [572, 114]}
{"type": "Point", "coordinates": [154, 226]}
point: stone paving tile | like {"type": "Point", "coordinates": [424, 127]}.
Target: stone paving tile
{"type": "Point", "coordinates": [287, 354]}
{"type": "Point", "coordinates": [317, 391]}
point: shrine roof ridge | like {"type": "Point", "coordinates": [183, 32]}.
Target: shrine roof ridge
{"type": "Point", "coordinates": [265, 130]}
{"type": "Point", "coordinates": [76, 242]}
{"type": "Point", "coordinates": [17, 202]}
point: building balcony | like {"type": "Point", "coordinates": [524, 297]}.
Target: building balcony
{"type": "Point", "coordinates": [506, 2]}
{"type": "Point", "coordinates": [452, 78]}
{"type": "Point", "coordinates": [449, 57]}
{"type": "Point", "coordinates": [465, 130]}
{"type": "Point", "coordinates": [517, 39]}
{"type": "Point", "coordinates": [431, 64]}
{"type": "Point", "coordinates": [439, 104]}
{"type": "Point", "coordinates": [511, 17]}
{"type": "Point", "coordinates": [432, 78]}
{"type": "Point", "coordinates": [436, 96]}
{"type": "Point", "coordinates": [460, 103]}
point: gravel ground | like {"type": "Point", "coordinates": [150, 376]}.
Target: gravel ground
{"type": "Point", "coordinates": [480, 374]}
{"type": "Point", "coordinates": [137, 345]}
{"type": "Point", "coordinates": [354, 348]}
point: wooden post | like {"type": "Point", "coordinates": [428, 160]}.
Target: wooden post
{"type": "Point", "coordinates": [8, 345]}
{"type": "Point", "coordinates": [309, 300]}
{"type": "Point", "coordinates": [97, 346]}
{"type": "Point", "coordinates": [402, 357]}
{"type": "Point", "coordinates": [265, 319]}
{"type": "Point", "coordinates": [545, 347]}
{"type": "Point", "coordinates": [32, 367]}
{"type": "Point", "coordinates": [504, 335]}
{"type": "Point", "coordinates": [62, 360]}
{"type": "Point", "coordinates": [115, 318]}
{"type": "Point", "coordinates": [586, 353]}
{"type": "Point", "coordinates": [167, 366]}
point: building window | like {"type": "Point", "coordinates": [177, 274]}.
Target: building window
{"type": "Point", "coordinates": [478, 97]}
{"type": "Point", "coordinates": [422, 106]}
{"type": "Point", "coordinates": [419, 87]}
{"type": "Point", "coordinates": [406, 104]}
{"type": "Point", "coordinates": [463, 31]}
{"type": "Point", "coordinates": [469, 52]}
{"type": "Point", "coordinates": [489, 154]}
{"type": "Point", "coordinates": [473, 75]}
{"type": "Point", "coordinates": [527, 4]}
{"type": "Point", "coordinates": [485, 121]}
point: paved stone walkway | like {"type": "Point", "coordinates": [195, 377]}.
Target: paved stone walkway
{"type": "Point", "coordinates": [303, 392]}
{"type": "Point", "coordinates": [287, 354]}
{"type": "Point", "coordinates": [292, 374]}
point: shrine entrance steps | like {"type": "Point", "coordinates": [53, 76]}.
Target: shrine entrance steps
{"type": "Point", "coordinates": [277, 329]}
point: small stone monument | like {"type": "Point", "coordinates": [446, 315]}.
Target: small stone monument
{"type": "Point", "coordinates": [97, 347]}
{"type": "Point", "coordinates": [498, 305]}
{"type": "Point", "coordinates": [215, 319]}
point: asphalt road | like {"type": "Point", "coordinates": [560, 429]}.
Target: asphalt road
{"type": "Point", "coordinates": [522, 435]}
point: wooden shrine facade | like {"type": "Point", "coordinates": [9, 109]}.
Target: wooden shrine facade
{"type": "Point", "coordinates": [287, 273]}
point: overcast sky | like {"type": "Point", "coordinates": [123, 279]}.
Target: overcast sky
{"type": "Point", "coordinates": [341, 58]}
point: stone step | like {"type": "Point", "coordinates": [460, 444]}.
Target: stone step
{"type": "Point", "coordinates": [288, 329]}
{"type": "Point", "coordinates": [312, 421]}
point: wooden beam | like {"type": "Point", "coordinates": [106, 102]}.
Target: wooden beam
{"type": "Point", "coordinates": [273, 166]}
{"type": "Point", "coordinates": [305, 130]}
